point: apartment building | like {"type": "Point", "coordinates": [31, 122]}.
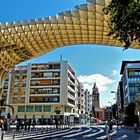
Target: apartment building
{"type": "Point", "coordinates": [80, 102]}
{"type": "Point", "coordinates": [45, 90]}
{"type": "Point", "coordinates": [88, 102]}
{"type": "Point", "coordinates": [88, 106]}
{"type": "Point", "coordinates": [130, 71]}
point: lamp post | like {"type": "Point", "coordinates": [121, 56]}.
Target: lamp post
{"type": "Point", "coordinates": [110, 111]}
{"type": "Point", "coordinates": [117, 115]}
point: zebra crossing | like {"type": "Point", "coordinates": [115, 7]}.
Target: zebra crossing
{"type": "Point", "coordinates": [82, 132]}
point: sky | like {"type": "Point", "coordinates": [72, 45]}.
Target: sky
{"type": "Point", "coordinates": [92, 63]}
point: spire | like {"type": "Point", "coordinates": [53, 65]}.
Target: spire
{"type": "Point", "coordinates": [95, 89]}
{"type": "Point", "coordinates": [94, 86]}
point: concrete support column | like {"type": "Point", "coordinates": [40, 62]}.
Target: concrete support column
{"type": "Point", "coordinates": [2, 80]}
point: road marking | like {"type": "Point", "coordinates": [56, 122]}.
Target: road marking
{"type": "Point", "coordinates": [90, 135]}
{"type": "Point", "coordinates": [105, 136]}
{"type": "Point", "coordinates": [39, 135]}
{"type": "Point", "coordinates": [122, 137]}
{"type": "Point", "coordinates": [76, 134]}
{"type": "Point", "coordinates": [72, 131]}
{"type": "Point", "coordinates": [94, 131]}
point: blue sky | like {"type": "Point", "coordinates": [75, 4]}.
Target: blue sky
{"type": "Point", "coordinates": [91, 62]}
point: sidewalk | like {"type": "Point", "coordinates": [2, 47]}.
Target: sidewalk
{"type": "Point", "coordinates": [126, 134]}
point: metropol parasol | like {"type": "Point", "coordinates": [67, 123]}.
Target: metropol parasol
{"type": "Point", "coordinates": [23, 40]}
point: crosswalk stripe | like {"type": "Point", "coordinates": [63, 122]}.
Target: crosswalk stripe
{"type": "Point", "coordinates": [18, 136]}
{"type": "Point", "coordinates": [122, 137]}
{"type": "Point", "coordinates": [76, 134]}
{"type": "Point", "coordinates": [60, 134]}
{"type": "Point", "coordinates": [105, 136]}
{"type": "Point", "coordinates": [90, 135]}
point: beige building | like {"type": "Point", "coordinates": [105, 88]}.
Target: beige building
{"type": "Point", "coordinates": [46, 90]}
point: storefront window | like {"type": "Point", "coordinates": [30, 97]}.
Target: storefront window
{"type": "Point", "coordinates": [38, 108]}
{"type": "Point", "coordinates": [47, 108]}
{"type": "Point", "coordinates": [21, 108]}
{"type": "Point", "coordinates": [29, 109]}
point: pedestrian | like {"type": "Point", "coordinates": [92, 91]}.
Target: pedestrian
{"type": "Point", "coordinates": [29, 124]}
{"type": "Point", "coordinates": [5, 125]}
{"type": "Point", "coordinates": [56, 123]}
{"type": "Point", "coordinates": [17, 125]}
{"type": "Point", "coordinates": [110, 124]}
{"type": "Point", "coordinates": [33, 123]}
{"type": "Point", "coordinates": [135, 127]}
{"type": "Point", "coordinates": [25, 124]}
{"type": "Point", "coordinates": [121, 123]}
{"type": "Point", "coordinates": [136, 123]}
{"type": "Point", "coordinates": [22, 123]}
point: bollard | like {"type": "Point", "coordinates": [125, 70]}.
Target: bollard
{"type": "Point", "coordinates": [23, 133]}
{"type": "Point", "coordinates": [107, 131]}
{"type": "Point", "coordinates": [13, 134]}
{"type": "Point", "coordinates": [2, 134]}
{"type": "Point", "coordinates": [36, 131]}
{"type": "Point", "coordinates": [46, 129]}
{"type": "Point", "coordinates": [109, 137]}
{"type": "Point", "coordinates": [42, 130]}
{"type": "Point", "coordinates": [30, 131]}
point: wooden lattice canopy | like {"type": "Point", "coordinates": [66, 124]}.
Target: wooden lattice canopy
{"type": "Point", "coordinates": [23, 40]}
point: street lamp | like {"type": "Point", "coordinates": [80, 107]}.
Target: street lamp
{"type": "Point", "coordinates": [116, 107]}
{"type": "Point", "coordinates": [110, 111]}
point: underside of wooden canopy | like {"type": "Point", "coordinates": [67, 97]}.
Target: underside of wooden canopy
{"type": "Point", "coordinates": [23, 40]}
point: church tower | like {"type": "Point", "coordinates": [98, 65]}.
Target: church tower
{"type": "Point", "coordinates": [95, 96]}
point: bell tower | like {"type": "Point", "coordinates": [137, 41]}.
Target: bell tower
{"type": "Point", "coordinates": [95, 96]}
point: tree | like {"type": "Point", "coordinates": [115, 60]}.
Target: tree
{"type": "Point", "coordinates": [3, 103]}
{"type": "Point", "coordinates": [124, 20]}
{"type": "Point", "coordinates": [114, 111]}
{"type": "Point", "coordinates": [130, 114]}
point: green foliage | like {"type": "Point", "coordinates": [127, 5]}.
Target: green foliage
{"type": "Point", "coordinates": [124, 20]}
{"type": "Point", "coordinates": [130, 109]}
{"type": "Point", "coordinates": [114, 110]}
{"type": "Point", "coordinates": [130, 114]}
{"type": "Point", "coordinates": [3, 103]}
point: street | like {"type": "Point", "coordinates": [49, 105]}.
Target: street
{"type": "Point", "coordinates": [82, 132]}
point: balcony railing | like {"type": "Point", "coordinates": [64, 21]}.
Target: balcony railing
{"type": "Point", "coordinates": [51, 84]}
{"type": "Point", "coordinates": [41, 76]}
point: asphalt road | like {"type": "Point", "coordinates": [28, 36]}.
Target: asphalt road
{"type": "Point", "coordinates": [81, 132]}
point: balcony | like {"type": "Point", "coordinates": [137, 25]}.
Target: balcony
{"type": "Point", "coordinates": [51, 84]}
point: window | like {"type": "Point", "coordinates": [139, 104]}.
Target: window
{"type": "Point", "coordinates": [55, 99]}
{"type": "Point", "coordinates": [23, 84]}
{"type": "Point", "coordinates": [55, 91]}
{"type": "Point", "coordinates": [56, 74]}
{"type": "Point", "coordinates": [14, 99]}
{"type": "Point", "coordinates": [22, 100]}
{"type": "Point", "coordinates": [29, 108]}
{"type": "Point", "coordinates": [21, 108]}
{"type": "Point", "coordinates": [15, 92]}
{"type": "Point", "coordinates": [47, 108]}
{"type": "Point", "coordinates": [38, 108]}
{"type": "Point", "coordinates": [49, 74]}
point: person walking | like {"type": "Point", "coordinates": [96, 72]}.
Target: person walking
{"type": "Point", "coordinates": [29, 124]}
{"type": "Point", "coordinates": [33, 123]}
{"type": "Point", "coordinates": [17, 125]}
{"type": "Point", "coordinates": [5, 125]}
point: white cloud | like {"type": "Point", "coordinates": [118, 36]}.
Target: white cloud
{"type": "Point", "coordinates": [114, 72]}
{"type": "Point", "coordinates": [101, 81]}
